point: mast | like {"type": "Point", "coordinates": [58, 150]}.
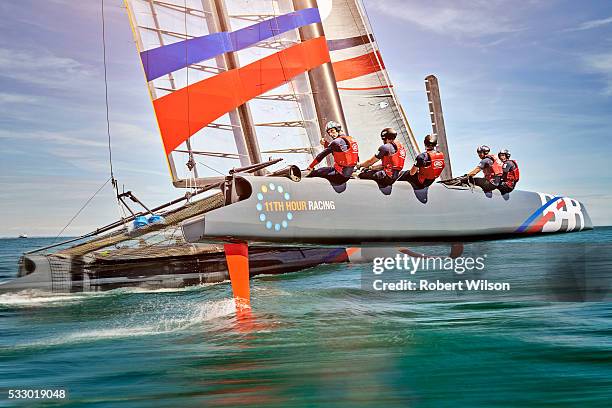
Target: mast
{"type": "Point", "coordinates": [437, 122]}
{"type": "Point", "coordinates": [322, 78]}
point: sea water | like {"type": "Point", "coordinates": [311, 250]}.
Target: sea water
{"type": "Point", "coordinates": [318, 337]}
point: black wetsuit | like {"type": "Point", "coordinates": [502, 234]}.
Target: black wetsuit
{"type": "Point", "coordinates": [507, 167]}
{"type": "Point", "coordinates": [330, 173]}
{"type": "Point", "coordinates": [380, 175]}
{"type": "Point", "coordinates": [422, 160]}
{"type": "Point", "coordinates": [482, 182]}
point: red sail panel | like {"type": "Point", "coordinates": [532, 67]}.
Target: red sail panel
{"type": "Point", "coordinates": [211, 98]}
{"type": "Point", "coordinates": [358, 66]}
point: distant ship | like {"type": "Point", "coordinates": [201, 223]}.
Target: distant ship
{"type": "Point", "coordinates": [23, 236]}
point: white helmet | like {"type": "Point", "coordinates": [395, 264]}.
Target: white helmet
{"type": "Point", "coordinates": [333, 125]}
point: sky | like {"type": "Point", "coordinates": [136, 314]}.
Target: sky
{"type": "Point", "coordinates": [533, 76]}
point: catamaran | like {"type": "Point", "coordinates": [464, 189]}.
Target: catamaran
{"type": "Point", "coordinates": [233, 81]}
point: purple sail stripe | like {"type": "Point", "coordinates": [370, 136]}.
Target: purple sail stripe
{"type": "Point", "coordinates": [166, 59]}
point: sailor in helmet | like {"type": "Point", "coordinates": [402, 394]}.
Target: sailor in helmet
{"type": "Point", "coordinates": [427, 167]}
{"type": "Point", "coordinates": [510, 172]}
{"type": "Point", "coordinates": [345, 153]}
{"type": "Point", "coordinates": [392, 156]}
{"type": "Point", "coordinates": [490, 166]}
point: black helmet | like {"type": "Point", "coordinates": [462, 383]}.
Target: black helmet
{"type": "Point", "coordinates": [388, 133]}
{"type": "Point", "coordinates": [431, 141]}
{"type": "Point", "coordinates": [505, 152]}
{"type": "Point", "coordinates": [483, 149]}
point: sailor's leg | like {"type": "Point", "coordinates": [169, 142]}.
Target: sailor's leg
{"type": "Point", "coordinates": [330, 174]}
{"type": "Point", "coordinates": [505, 188]}
{"type": "Point", "coordinates": [412, 179]}
{"type": "Point", "coordinates": [378, 175]}
{"type": "Point", "coordinates": [321, 172]}
{"type": "Point", "coordinates": [485, 184]}
{"type": "Point", "coordinates": [368, 174]}
{"type": "Point", "coordinates": [237, 256]}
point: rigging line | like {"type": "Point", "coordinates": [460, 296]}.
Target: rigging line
{"type": "Point", "coordinates": [81, 209]}
{"type": "Point", "coordinates": [192, 171]}
{"type": "Point", "coordinates": [108, 132]}
{"type": "Point", "coordinates": [212, 168]}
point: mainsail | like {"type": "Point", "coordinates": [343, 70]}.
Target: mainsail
{"type": "Point", "coordinates": [237, 81]}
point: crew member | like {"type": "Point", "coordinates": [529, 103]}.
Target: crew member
{"type": "Point", "coordinates": [392, 155]}
{"type": "Point", "coordinates": [345, 152]}
{"type": "Point", "coordinates": [491, 167]}
{"type": "Point", "coordinates": [428, 165]}
{"type": "Point", "coordinates": [510, 172]}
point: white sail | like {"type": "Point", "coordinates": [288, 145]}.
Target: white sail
{"type": "Point", "coordinates": [368, 98]}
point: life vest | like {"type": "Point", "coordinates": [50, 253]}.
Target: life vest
{"type": "Point", "coordinates": [349, 158]}
{"type": "Point", "coordinates": [512, 177]}
{"type": "Point", "coordinates": [494, 170]}
{"type": "Point", "coordinates": [394, 161]}
{"type": "Point", "coordinates": [436, 165]}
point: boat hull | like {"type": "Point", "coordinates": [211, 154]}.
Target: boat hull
{"type": "Point", "coordinates": [277, 210]}
{"type": "Point", "coordinates": [49, 273]}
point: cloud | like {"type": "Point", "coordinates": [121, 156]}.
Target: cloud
{"type": "Point", "coordinates": [72, 138]}
{"type": "Point", "coordinates": [589, 25]}
{"type": "Point", "coordinates": [16, 98]}
{"type": "Point", "coordinates": [464, 18]}
{"type": "Point", "coordinates": [601, 64]}
{"type": "Point", "coordinates": [42, 68]}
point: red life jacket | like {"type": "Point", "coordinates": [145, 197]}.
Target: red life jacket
{"type": "Point", "coordinates": [394, 161]}
{"type": "Point", "coordinates": [512, 177]}
{"type": "Point", "coordinates": [348, 158]}
{"type": "Point", "coordinates": [494, 170]}
{"type": "Point", "coordinates": [436, 165]}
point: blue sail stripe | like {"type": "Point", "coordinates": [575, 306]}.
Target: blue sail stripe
{"type": "Point", "coordinates": [535, 215]}
{"type": "Point", "coordinates": [166, 59]}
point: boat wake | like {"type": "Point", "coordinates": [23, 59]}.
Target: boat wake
{"type": "Point", "coordinates": [170, 319]}
{"type": "Point", "coordinates": [39, 298]}
{"type": "Point", "coordinates": [29, 298]}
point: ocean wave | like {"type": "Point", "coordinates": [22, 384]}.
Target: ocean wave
{"type": "Point", "coordinates": [39, 298]}
{"type": "Point", "coordinates": [31, 297]}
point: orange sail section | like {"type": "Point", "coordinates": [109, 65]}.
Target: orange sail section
{"type": "Point", "coordinates": [358, 66]}
{"type": "Point", "coordinates": [211, 98]}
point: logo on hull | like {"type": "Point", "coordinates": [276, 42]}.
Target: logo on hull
{"type": "Point", "coordinates": [557, 214]}
{"type": "Point", "coordinates": [276, 209]}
